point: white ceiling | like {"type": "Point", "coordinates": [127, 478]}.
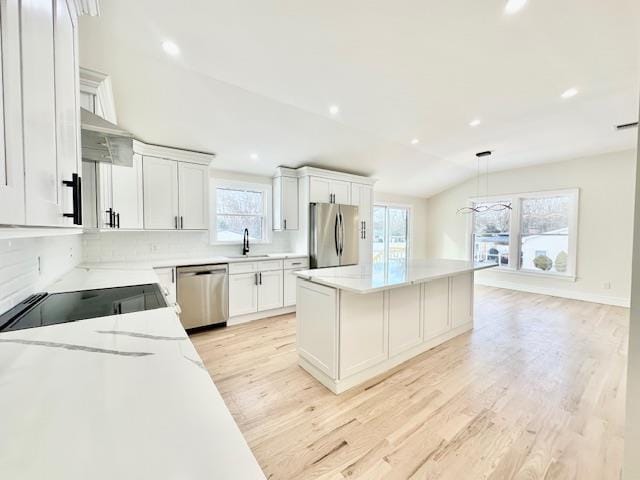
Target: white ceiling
{"type": "Point", "coordinates": [259, 76]}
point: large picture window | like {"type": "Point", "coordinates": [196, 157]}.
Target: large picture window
{"type": "Point", "coordinates": [538, 235]}
{"type": "Point", "coordinates": [236, 206]}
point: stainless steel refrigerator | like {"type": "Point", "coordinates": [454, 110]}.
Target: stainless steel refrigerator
{"type": "Point", "coordinates": [333, 236]}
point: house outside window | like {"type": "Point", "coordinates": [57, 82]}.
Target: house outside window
{"type": "Point", "coordinates": [236, 206]}
{"type": "Point", "coordinates": [537, 236]}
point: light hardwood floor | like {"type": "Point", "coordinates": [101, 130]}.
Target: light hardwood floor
{"type": "Point", "coordinates": [535, 391]}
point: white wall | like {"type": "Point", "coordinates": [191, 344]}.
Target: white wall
{"type": "Point", "coordinates": [21, 274]}
{"type": "Point", "coordinates": [148, 245]}
{"type": "Point", "coordinates": [606, 185]}
{"type": "Point", "coordinates": [631, 468]}
{"type": "Point", "coordinates": [419, 220]}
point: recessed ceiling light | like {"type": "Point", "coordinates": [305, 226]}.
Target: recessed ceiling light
{"type": "Point", "coordinates": [572, 92]}
{"type": "Point", "coordinates": [334, 110]}
{"type": "Point", "coordinates": [170, 48]}
{"type": "Point", "coordinates": [514, 6]}
{"type": "Point", "coordinates": [415, 141]}
{"type": "Point", "coordinates": [475, 122]}
{"type": "Point", "coordinates": [254, 156]}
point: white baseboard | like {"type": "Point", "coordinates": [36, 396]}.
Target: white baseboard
{"type": "Point", "coordinates": [557, 292]}
{"type": "Point", "coordinates": [258, 315]}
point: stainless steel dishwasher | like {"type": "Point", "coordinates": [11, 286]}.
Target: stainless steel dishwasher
{"type": "Point", "coordinates": [203, 295]}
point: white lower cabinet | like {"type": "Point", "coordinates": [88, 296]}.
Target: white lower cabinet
{"type": "Point", "coordinates": [167, 281]}
{"type": "Point", "coordinates": [270, 290]}
{"type": "Point", "coordinates": [435, 308]}
{"type": "Point", "coordinates": [243, 294]}
{"type": "Point", "coordinates": [363, 332]}
{"type": "Point", "coordinates": [289, 288]}
{"type": "Point", "coordinates": [405, 322]}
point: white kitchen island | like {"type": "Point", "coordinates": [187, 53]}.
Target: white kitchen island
{"type": "Point", "coordinates": [356, 322]}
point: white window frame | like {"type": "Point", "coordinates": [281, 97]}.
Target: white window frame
{"type": "Point", "coordinates": [409, 209]}
{"type": "Point", "coordinates": [263, 188]}
{"type": "Point", "coordinates": [515, 235]}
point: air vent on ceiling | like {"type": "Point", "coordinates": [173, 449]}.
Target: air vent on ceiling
{"type": "Point", "coordinates": [626, 126]}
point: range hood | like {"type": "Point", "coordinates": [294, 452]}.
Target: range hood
{"type": "Point", "coordinates": [103, 141]}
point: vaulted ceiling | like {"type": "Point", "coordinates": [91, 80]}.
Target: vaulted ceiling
{"type": "Point", "coordinates": [259, 77]}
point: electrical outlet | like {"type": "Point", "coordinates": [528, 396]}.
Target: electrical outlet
{"type": "Point", "coordinates": [606, 285]}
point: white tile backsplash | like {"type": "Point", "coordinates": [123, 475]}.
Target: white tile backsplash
{"type": "Point", "coordinates": [140, 246]}
{"type": "Point", "coordinates": [29, 265]}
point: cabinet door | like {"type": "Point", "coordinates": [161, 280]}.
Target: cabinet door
{"type": "Point", "coordinates": [362, 197]}
{"type": "Point", "coordinates": [276, 190]}
{"type": "Point", "coordinates": [436, 308]}
{"type": "Point", "coordinates": [243, 294]}
{"type": "Point", "coordinates": [341, 191]}
{"type": "Point", "coordinates": [461, 299]}
{"type": "Point", "coordinates": [126, 184]}
{"type": "Point", "coordinates": [194, 196]}
{"type": "Point", "coordinates": [405, 322]}
{"type": "Point", "coordinates": [319, 190]}
{"type": "Point", "coordinates": [270, 290]}
{"type": "Point", "coordinates": [66, 103]}
{"type": "Point", "coordinates": [167, 281]}
{"type": "Point", "coordinates": [364, 337]}
{"type": "Point", "coordinates": [39, 115]}
{"type": "Point", "coordinates": [160, 185]}
{"type": "Point", "coordinates": [11, 160]}
{"type": "Point", "coordinates": [289, 288]}
{"type": "Point", "coordinates": [289, 203]}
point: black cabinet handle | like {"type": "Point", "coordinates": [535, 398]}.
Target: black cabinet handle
{"type": "Point", "coordinates": [76, 186]}
{"type": "Point", "coordinates": [175, 222]}
{"type": "Point", "coordinates": [110, 213]}
{"type": "Point", "coordinates": [181, 222]}
{"type": "Point", "coordinates": [255, 277]}
{"type": "Point", "coordinates": [118, 220]}
{"type": "Point", "coordinates": [285, 223]}
{"type": "Point", "coordinates": [260, 278]}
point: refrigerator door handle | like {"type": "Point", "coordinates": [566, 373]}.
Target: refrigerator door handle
{"type": "Point", "coordinates": [341, 233]}
{"type": "Point", "coordinates": [336, 235]}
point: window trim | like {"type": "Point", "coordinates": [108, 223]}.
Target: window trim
{"type": "Point", "coordinates": [515, 234]}
{"type": "Point", "coordinates": [409, 209]}
{"type": "Point", "coordinates": [263, 188]}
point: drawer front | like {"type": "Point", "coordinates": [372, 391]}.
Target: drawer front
{"type": "Point", "coordinates": [242, 267]}
{"type": "Point", "coordinates": [301, 263]}
{"type": "Point", "coordinates": [269, 265]}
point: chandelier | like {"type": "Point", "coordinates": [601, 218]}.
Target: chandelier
{"type": "Point", "coordinates": [486, 206]}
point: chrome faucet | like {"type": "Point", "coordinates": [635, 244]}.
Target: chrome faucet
{"type": "Point", "coordinates": [245, 242]}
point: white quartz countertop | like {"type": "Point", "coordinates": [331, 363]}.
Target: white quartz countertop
{"type": "Point", "coordinates": [369, 278]}
{"type": "Point", "coordinates": [173, 262]}
{"type": "Point", "coordinates": [118, 397]}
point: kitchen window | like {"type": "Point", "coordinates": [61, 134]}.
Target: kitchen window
{"type": "Point", "coordinates": [236, 206]}
{"type": "Point", "coordinates": [537, 236]}
{"type": "Point", "coordinates": [390, 238]}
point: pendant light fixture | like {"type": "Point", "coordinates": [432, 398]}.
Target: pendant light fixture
{"type": "Point", "coordinates": [486, 206]}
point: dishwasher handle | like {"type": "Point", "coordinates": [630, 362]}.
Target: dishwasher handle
{"type": "Point", "coordinates": [203, 272]}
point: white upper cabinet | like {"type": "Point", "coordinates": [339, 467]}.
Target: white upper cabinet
{"type": "Point", "coordinates": [193, 191]}
{"type": "Point", "coordinates": [176, 194]}
{"type": "Point", "coordinates": [11, 159]}
{"type": "Point", "coordinates": [67, 104]}
{"type": "Point", "coordinates": [341, 191]}
{"type": "Point", "coordinates": [285, 203]}
{"type": "Point", "coordinates": [126, 195]}
{"type": "Point", "coordinates": [325, 190]}
{"type": "Point", "coordinates": [160, 193]}
{"type": "Point", "coordinates": [38, 100]}
{"type": "Point", "coordinates": [51, 135]}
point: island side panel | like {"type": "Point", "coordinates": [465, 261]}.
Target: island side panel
{"type": "Point", "coordinates": [461, 300]}
{"type": "Point", "coordinates": [363, 332]}
{"type": "Point", "coordinates": [317, 330]}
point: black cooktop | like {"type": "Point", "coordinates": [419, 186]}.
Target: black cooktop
{"type": "Point", "coordinates": [49, 309]}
